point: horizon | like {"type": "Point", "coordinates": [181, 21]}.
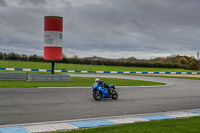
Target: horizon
{"type": "Point", "coordinates": [94, 56]}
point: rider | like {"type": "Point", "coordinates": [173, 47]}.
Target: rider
{"type": "Point", "coordinates": [102, 83]}
{"type": "Point", "coordinates": [97, 80]}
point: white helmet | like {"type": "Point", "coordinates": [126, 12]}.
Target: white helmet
{"type": "Point", "coordinates": [97, 80]}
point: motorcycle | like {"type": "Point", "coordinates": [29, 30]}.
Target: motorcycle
{"type": "Point", "coordinates": [100, 91]}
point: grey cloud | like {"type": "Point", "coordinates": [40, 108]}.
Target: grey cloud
{"type": "Point", "coordinates": [166, 26]}
{"type": "Point", "coordinates": [33, 2]}
{"type": "Point", "coordinates": [3, 3]}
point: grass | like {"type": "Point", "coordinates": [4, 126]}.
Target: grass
{"type": "Point", "coordinates": [59, 66]}
{"type": "Point", "coordinates": [77, 81]}
{"type": "Point", "coordinates": [185, 125]}
{"type": "Point", "coordinates": [143, 69]}
{"type": "Point", "coordinates": [41, 65]}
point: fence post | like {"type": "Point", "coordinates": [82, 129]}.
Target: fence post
{"type": "Point", "coordinates": [52, 67]}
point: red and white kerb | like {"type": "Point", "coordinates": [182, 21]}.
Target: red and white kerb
{"type": "Point", "coordinates": [53, 28]}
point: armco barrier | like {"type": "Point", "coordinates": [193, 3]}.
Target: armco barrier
{"type": "Point", "coordinates": [34, 76]}
{"type": "Point", "coordinates": [12, 76]}
{"type": "Point", "coordinates": [115, 72]}
{"type": "Point", "coordinates": [48, 77]}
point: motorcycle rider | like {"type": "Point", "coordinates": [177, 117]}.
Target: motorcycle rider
{"type": "Point", "coordinates": [97, 80]}
{"type": "Point", "coordinates": [102, 83]}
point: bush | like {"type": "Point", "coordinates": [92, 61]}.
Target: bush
{"type": "Point", "coordinates": [194, 65]}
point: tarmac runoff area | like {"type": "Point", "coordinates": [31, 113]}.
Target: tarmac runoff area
{"type": "Point", "coordinates": [177, 75]}
{"type": "Point", "coordinates": [95, 122]}
{"type": "Point", "coordinates": [166, 100]}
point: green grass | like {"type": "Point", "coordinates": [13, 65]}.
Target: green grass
{"type": "Point", "coordinates": [185, 125]}
{"type": "Point", "coordinates": [41, 65]}
{"type": "Point", "coordinates": [59, 66]}
{"type": "Point", "coordinates": [143, 69]}
{"type": "Point", "coordinates": [77, 81]}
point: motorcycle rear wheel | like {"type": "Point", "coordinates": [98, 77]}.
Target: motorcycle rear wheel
{"type": "Point", "coordinates": [97, 95]}
{"type": "Point", "coordinates": [114, 94]}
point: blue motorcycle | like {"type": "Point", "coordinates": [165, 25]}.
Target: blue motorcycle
{"type": "Point", "coordinates": [100, 91]}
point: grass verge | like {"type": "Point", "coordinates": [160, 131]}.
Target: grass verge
{"type": "Point", "coordinates": [184, 125]}
{"type": "Point", "coordinates": [77, 81]}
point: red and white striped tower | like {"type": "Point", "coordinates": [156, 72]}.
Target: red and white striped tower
{"type": "Point", "coordinates": [53, 31]}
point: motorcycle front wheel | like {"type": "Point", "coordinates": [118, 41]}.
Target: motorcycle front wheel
{"type": "Point", "coordinates": [114, 94]}
{"type": "Point", "coordinates": [97, 95]}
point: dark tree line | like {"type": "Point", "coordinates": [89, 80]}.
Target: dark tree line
{"type": "Point", "coordinates": [23, 57]}
{"type": "Point", "coordinates": [174, 61]}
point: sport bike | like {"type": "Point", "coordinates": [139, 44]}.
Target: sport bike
{"type": "Point", "coordinates": [99, 92]}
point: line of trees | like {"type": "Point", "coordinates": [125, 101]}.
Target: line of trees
{"type": "Point", "coordinates": [23, 57]}
{"type": "Point", "coordinates": [174, 61]}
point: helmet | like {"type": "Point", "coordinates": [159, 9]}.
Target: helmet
{"type": "Point", "coordinates": [97, 80]}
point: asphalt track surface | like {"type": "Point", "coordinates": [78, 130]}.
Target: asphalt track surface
{"type": "Point", "coordinates": [30, 105]}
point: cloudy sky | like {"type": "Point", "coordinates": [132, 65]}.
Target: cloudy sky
{"type": "Point", "coordinates": [107, 28]}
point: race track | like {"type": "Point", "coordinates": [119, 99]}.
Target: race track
{"type": "Point", "coordinates": [28, 105]}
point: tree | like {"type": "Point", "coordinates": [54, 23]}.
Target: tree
{"type": "Point", "coordinates": [24, 57]}
{"type": "Point", "coordinates": [1, 55]}
{"type": "Point", "coordinates": [13, 56]}
{"type": "Point", "coordinates": [33, 57]}
{"type": "Point", "coordinates": [193, 66]}
{"type": "Point", "coordinates": [182, 60]}
{"type": "Point", "coordinates": [131, 59]}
